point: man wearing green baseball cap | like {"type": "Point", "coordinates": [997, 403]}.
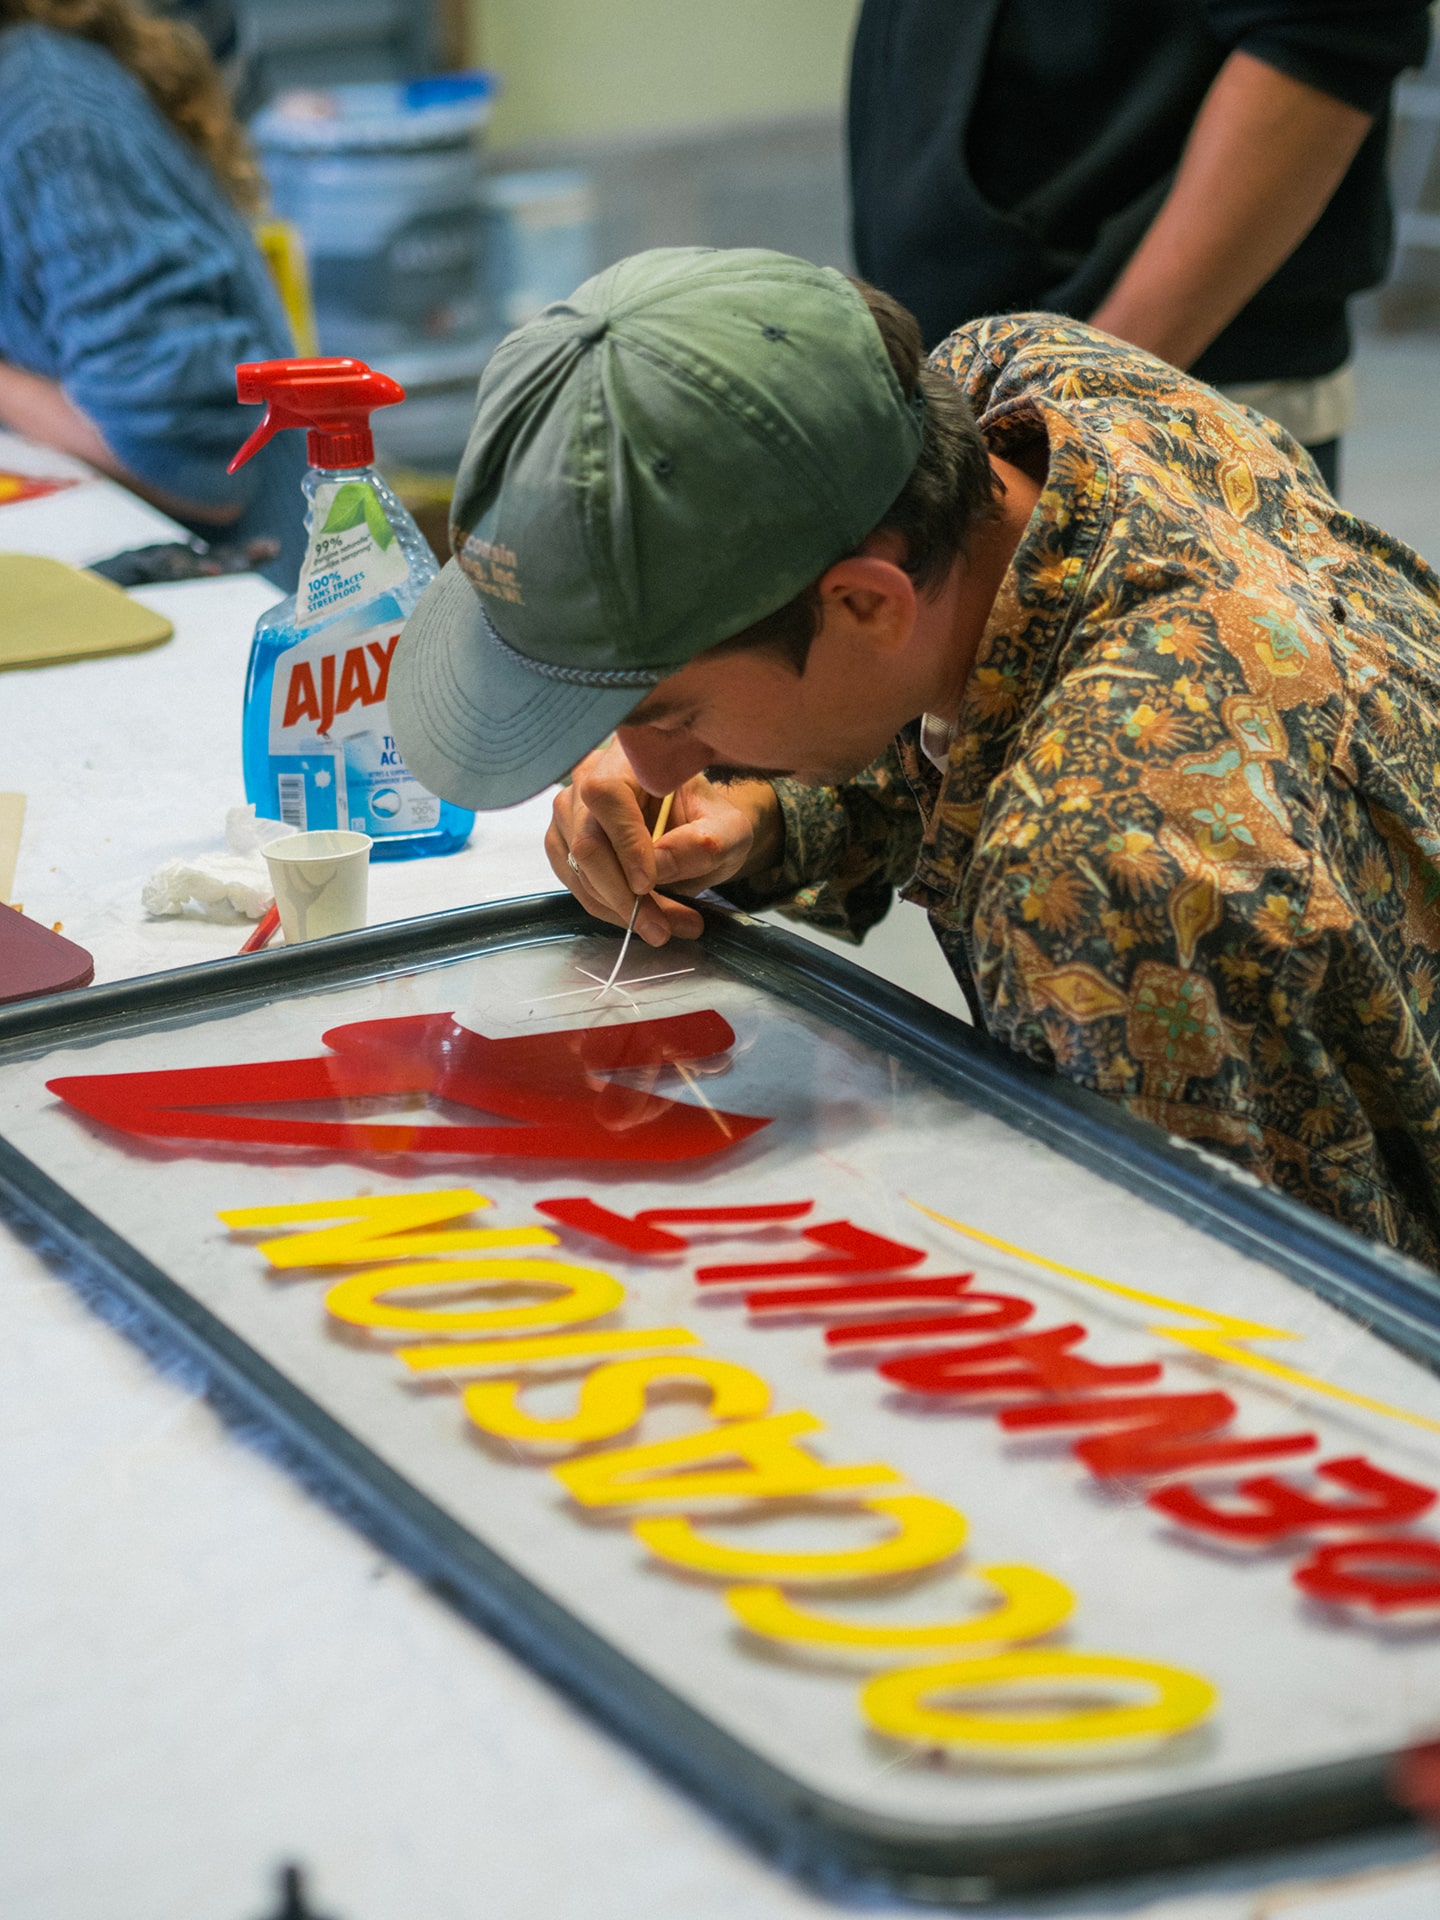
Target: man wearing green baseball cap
{"type": "Point", "coordinates": [1048, 636]}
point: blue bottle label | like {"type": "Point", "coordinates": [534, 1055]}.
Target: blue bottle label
{"type": "Point", "coordinates": [331, 750]}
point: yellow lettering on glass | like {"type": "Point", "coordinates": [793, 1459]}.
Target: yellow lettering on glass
{"type": "Point", "coordinates": [585, 1293]}
{"type": "Point", "coordinates": [927, 1532]}
{"type": "Point", "coordinates": [381, 1227]}
{"type": "Point", "coordinates": [773, 1468]}
{"type": "Point", "coordinates": [612, 1399]}
{"type": "Point", "coordinates": [1032, 1604]}
{"type": "Point", "coordinates": [462, 1356]}
{"type": "Point", "coordinates": [899, 1704]}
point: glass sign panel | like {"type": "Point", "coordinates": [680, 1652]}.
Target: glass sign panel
{"type": "Point", "coordinates": [926, 1492]}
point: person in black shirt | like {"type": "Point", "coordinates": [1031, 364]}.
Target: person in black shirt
{"type": "Point", "coordinates": [1202, 178]}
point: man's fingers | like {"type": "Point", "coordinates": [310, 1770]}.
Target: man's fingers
{"type": "Point", "coordinates": [682, 922]}
{"type": "Point", "coordinates": [614, 815]}
{"type": "Point", "coordinates": [557, 852]}
{"type": "Point", "coordinates": [600, 868]}
{"type": "Point", "coordinates": [696, 851]}
{"type": "Point", "coordinates": [597, 908]}
{"type": "Point", "coordinates": [660, 920]}
{"type": "Point", "coordinates": [598, 845]}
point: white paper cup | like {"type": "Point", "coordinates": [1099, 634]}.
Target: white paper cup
{"type": "Point", "coordinates": [320, 881]}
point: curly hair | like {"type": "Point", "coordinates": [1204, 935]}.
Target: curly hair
{"type": "Point", "coordinates": [173, 64]}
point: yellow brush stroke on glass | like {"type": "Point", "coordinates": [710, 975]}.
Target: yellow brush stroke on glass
{"type": "Point", "coordinates": [1032, 1604]}
{"type": "Point", "coordinates": [1217, 1345]}
{"type": "Point", "coordinates": [585, 1293]}
{"type": "Point", "coordinates": [927, 1532]}
{"type": "Point", "coordinates": [898, 1704]}
{"type": "Point", "coordinates": [612, 1399]}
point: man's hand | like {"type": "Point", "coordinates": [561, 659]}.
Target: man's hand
{"type": "Point", "coordinates": [599, 846]}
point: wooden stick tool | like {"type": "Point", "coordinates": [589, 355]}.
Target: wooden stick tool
{"type": "Point", "coordinates": [12, 820]}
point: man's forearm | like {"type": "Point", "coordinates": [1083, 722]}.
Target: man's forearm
{"type": "Point", "coordinates": [41, 410]}
{"type": "Point", "coordinates": [1263, 159]}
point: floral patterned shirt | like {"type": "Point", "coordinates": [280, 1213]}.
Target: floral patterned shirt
{"type": "Point", "coordinates": [1187, 848]}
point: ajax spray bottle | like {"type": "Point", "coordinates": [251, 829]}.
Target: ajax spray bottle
{"type": "Point", "coordinates": [318, 749]}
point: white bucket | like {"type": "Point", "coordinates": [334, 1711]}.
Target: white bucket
{"type": "Point", "coordinates": [381, 181]}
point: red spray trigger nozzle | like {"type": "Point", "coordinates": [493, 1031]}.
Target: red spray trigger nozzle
{"type": "Point", "coordinates": [331, 399]}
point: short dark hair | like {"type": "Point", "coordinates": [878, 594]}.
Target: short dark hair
{"type": "Point", "coordinates": [950, 491]}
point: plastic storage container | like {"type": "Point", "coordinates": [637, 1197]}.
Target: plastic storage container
{"type": "Point", "coordinates": [382, 181]}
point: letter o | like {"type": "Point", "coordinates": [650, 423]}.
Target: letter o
{"type": "Point", "coordinates": [929, 1531]}
{"type": "Point", "coordinates": [898, 1703]}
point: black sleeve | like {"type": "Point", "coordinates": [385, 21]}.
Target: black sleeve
{"type": "Point", "coordinates": [1352, 49]}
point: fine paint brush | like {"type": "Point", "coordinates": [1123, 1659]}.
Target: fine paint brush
{"type": "Point", "coordinates": [662, 820]}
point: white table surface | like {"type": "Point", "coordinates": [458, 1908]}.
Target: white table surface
{"type": "Point", "coordinates": [205, 1673]}
{"type": "Point", "coordinates": [89, 522]}
{"type": "Point", "coordinates": [130, 761]}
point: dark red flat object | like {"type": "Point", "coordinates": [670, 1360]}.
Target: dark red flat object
{"type": "Point", "coordinates": [33, 960]}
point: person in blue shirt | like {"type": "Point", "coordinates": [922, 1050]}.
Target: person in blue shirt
{"type": "Point", "coordinates": [130, 287]}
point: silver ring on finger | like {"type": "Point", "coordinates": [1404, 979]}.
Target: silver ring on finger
{"type": "Point", "coordinates": [572, 863]}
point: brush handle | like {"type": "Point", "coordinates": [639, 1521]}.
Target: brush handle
{"type": "Point", "coordinates": [263, 930]}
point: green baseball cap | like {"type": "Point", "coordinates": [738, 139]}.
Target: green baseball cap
{"type": "Point", "coordinates": [657, 462]}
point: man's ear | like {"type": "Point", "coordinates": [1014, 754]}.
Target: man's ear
{"type": "Point", "coordinates": [872, 596]}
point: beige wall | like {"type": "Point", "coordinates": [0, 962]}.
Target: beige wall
{"type": "Point", "coordinates": [581, 67]}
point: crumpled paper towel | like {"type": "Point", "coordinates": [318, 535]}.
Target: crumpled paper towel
{"type": "Point", "coordinates": [221, 885]}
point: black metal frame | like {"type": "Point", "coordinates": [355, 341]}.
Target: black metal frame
{"type": "Point", "coordinates": [836, 1847]}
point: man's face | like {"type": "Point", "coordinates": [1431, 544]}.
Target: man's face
{"type": "Point", "coordinates": [750, 712]}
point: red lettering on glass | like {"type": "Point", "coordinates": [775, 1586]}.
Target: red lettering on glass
{"type": "Point", "coordinates": [1354, 1573]}
{"type": "Point", "coordinates": [642, 1233]}
{"type": "Point", "coordinates": [1164, 1432]}
{"type": "Point", "coordinates": [754, 1216]}
{"type": "Point", "coordinates": [854, 1251]}
{"type": "Point", "coordinates": [1041, 1363]}
{"type": "Point", "coordinates": [552, 1084]}
{"type": "Point", "coordinates": [1277, 1508]}
{"type": "Point", "coordinates": [858, 1293]}
{"type": "Point", "coordinates": [995, 1312]}
{"type": "Point", "coordinates": [634, 1236]}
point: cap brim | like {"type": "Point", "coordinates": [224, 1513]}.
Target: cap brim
{"type": "Point", "coordinates": [473, 724]}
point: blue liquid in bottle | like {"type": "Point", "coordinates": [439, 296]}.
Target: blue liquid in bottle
{"type": "Point", "coordinates": [317, 745]}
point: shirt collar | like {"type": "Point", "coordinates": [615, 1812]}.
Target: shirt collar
{"type": "Point", "coordinates": [1030, 622]}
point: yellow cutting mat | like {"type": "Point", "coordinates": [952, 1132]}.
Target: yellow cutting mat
{"type": "Point", "coordinates": [51, 612]}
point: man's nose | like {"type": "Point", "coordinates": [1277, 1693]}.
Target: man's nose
{"type": "Point", "coordinates": [662, 764]}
